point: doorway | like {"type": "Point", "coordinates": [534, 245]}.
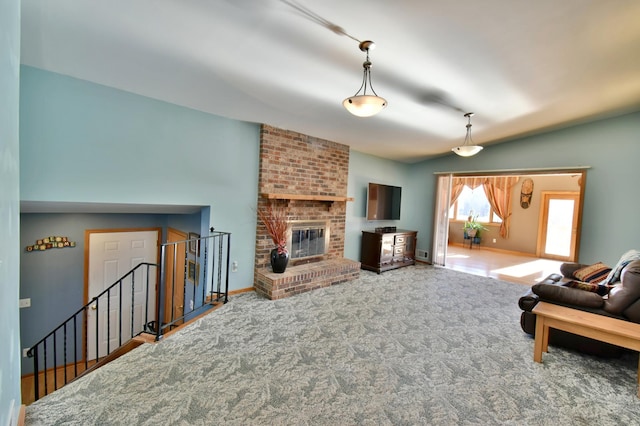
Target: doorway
{"type": "Point", "coordinates": [174, 285]}
{"type": "Point", "coordinates": [524, 219]}
{"type": "Point", "coordinates": [558, 229]}
{"type": "Point", "coordinates": [112, 254]}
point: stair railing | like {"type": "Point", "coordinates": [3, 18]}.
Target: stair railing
{"type": "Point", "coordinates": [205, 275]}
{"type": "Point", "coordinates": [68, 351]}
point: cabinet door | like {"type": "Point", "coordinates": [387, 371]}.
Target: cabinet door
{"type": "Point", "coordinates": [387, 249]}
{"type": "Point", "coordinates": [410, 246]}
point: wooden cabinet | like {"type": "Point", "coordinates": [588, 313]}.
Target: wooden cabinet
{"type": "Point", "coordinates": [381, 251]}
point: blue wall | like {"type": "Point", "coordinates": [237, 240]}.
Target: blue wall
{"type": "Point", "coordinates": [214, 164]}
{"type": "Point", "coordinates": [610, 147]}
{"type": "Point", "coordinates": [9, 211]}
{"type": "Point", "coordinates": [82, 142]}
{"type": "Point", "coordinates": [364, 168]}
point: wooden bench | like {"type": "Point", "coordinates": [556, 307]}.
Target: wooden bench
{"type": "Point", "coordinates": [599, 327]}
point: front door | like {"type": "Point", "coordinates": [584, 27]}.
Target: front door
{"type": "Point", "coordinates": [112, 254]}
{"type": "Point", "coordinates": [558, 225]}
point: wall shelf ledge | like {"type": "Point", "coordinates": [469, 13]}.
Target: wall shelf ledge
{"type": "Point", "coordinates": [328, 199]}
{"type": "Point", "coordinates": [304, 197]}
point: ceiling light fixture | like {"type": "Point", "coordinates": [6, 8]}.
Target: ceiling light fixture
{"type": "Point", "coordinates": [365, 105]}
{"type": "Point", "coordinates": [467, 149]}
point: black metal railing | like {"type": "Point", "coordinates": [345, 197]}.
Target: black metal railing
{"type": "Point", "coordinates": [195, 270]}
{"type": "Point", "coordinates": [199, 283]}
{"type": "Point", "coordinates": [85, 338]}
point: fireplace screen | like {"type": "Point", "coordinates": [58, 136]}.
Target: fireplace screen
{"type": "Point", "coordinates": [308, 239]}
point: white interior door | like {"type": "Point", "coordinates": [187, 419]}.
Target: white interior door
{"type": "Point", "coordinates": [111, 256]}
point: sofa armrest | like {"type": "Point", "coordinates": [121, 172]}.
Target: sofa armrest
{"type": "Point", "coordinates": [567, 296]}
{"type": "Point", "coordinates": [528, 300]}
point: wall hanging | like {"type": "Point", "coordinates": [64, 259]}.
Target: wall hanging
{"type": "Point", "coordinates": [51, 242]}
{"type": "Point", "coordinates": [526, 192]}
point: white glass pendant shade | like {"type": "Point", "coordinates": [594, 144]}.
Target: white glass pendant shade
{"type": "Point", "coordinates": [467, 150]}
{"type": "Point", "coordinates": [361, 104]}
{"type": "Point", "coordinates": [364, 105]}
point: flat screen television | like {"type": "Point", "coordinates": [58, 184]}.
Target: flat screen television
{"type": "Point", "coordinates": [383, 202]}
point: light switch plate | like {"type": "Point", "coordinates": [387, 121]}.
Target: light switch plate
{"type": "Point", "coordinates": [25, 303]}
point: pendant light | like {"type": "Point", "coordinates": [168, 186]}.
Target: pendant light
{"type": "Point", "coordinates": [467, 149]}
{"type": "Point", "coordinates": [365, 105]}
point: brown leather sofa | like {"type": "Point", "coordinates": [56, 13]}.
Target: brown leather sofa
{"type": "Point", "coordinates": [622, 302]}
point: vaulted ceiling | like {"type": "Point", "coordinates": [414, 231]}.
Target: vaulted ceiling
{"type": "Point", "coordinates": [521, 66]}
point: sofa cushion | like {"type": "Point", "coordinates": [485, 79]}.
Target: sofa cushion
{"type": "Point", "coordinates": [567, 295]}
{"type": "Point", "coordinates": [595, 273]}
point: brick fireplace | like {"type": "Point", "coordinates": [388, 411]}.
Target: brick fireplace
{"type": "Point", "coordinates": [306, 176]}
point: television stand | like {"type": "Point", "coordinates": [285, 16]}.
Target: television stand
{"type": "Point", "coordinates": [382, 251]}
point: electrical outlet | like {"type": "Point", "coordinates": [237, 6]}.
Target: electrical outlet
{"type": "Point", "coordinates": [25, 303]}
{"type": "Point", "coordinates": [234, 266]}
{"type": "Point", "coordinates": [494, 241]}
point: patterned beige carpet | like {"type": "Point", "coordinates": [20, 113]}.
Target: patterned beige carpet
{"type": "Point", "coordinates": [414, 346]}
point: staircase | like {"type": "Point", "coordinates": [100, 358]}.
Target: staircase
{"type": "Point", "coordinates": [112, 324]}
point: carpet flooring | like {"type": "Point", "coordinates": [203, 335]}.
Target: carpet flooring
{"type": "Point", "coordinates": [414, 346]}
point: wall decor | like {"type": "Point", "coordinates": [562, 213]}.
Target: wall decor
{"type": "Point", "coordinates": [526, 192]}
{"type": "Point", "coordinates": [194, 243]}
{"type": "Point", "coordinates": [193, 271]}
{"type": "Point", "coordinates": [51, 242]}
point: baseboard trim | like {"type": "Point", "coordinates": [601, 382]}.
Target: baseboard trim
{"type": "Point", "coordinates": [242, 290]}
{"type": "Point", "coordinates": [21, 415]}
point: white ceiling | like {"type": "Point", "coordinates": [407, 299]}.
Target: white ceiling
{"type": "Point", "coordinates": [521, 66]}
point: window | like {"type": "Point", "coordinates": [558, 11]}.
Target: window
{"type": "Point", "coordinates": [473, 202]}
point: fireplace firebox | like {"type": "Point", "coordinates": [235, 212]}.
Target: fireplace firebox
{"type": "Point", "coordinates": [307, 239]}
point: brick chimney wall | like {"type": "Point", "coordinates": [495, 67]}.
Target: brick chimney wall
{"type": "Point", "coordinates": [293, 163]}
